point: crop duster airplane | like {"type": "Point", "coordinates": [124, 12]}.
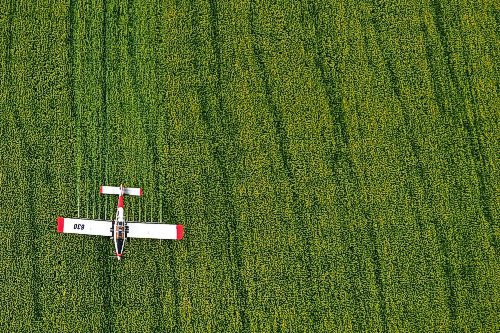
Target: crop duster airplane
{"type": "Point", "coordinates": [119, 229]}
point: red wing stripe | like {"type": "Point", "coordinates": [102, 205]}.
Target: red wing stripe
{"type": "Point", "coordinates": [140, 192]}
{"type": "Point", "coordinates": [60, 224]}
{"type": "Point", "coordinates": [180, 231]}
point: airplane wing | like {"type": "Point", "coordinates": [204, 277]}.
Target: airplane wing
{"type": "Point", "coordinates": [155, 230]}
{"type": "Point", "coordinates": [87, 227]}
{"type": "Point", "coordinates": [126, 190]}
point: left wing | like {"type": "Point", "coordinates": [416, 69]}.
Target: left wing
{"type": "Point", "coordinates": [155, 230]}
{"type": "Point", "coordinates": [87, 227]}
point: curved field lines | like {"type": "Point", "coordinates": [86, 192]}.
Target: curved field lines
{"type": "Point", "coordinates": [334, 164]}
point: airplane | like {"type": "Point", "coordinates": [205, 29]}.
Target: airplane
{"type": "Point", "coordinates": [119, 229]}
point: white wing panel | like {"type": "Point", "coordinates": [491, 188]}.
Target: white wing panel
{"type": "Point", "coordinates": [155, 230]}
{"type": "Point", "coordinates": [133, 191]}
{"type": "Point", "coordinates": [86, 227]}
{"type": "Point", "coordinates": [110, 190]}
{"type": "Point", "coordinates": [116, 190]}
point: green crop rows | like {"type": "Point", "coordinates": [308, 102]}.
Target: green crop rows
{"type": "Point", "coordinates": [334, 163]}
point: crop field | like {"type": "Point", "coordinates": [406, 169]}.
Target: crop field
{"type": "Point", "coordinates": [334, 164]}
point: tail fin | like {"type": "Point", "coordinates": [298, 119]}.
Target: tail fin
{"type": "Point", "coordinates": [126, 190]}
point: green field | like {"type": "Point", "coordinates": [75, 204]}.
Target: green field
{"type": "Point", "coordinates": [334, 163]}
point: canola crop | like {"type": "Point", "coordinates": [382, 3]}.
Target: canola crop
{"type": "Point", "coordinates": [334, 164]}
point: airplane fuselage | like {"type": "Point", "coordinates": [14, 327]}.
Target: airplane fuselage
{"type": "Point", "coordinates": [119, 228]}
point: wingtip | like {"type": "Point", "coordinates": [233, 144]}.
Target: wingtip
{"type": "Point", "coordinates": [60, 224]}
{"type": "Point", "coordinates": [180, 231]}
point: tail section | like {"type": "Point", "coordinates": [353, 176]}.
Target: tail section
{"type": "Point", "coordinates": [126, 190]}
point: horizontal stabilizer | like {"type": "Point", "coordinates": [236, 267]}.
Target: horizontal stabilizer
{"type": "Point", "coordinates": [126, 191]}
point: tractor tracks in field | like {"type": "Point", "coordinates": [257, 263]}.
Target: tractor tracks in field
{"type": "Point", "coordinates": [218, 151]}
{"type": "Point", "coordinates": [151, 142]}
{"type": "Point", "coordinates": [476, 151]}
{"type": "Point", "coordinates": [8, 50]}
{"type": "Point", "coordinates": [147, 126]}
{"type": "Point", "coordinates": [416, 155]}
{"type": "Point", "coordinates": [28, 154]}
{"type": "Point", "coordinates": [106, 266]}
{"type": "Point", "coordinates": [414, 146]}
{"type": "Point", "coordinates": [71, 60]}
{"type": "Point", "coordinates": [277, 116]}
{"type": "Point", "coordinates": [461, 118]}
{"type": "Point", "coordinates": [27, 177]}
{"type": "Point", "coordinates": [283, 143]}
{"type": "Point", "coordinates": [234, 250]}
{"type": "Point", "coordinates": [441, 232]}
{"type": "Point", "coordinates": [35, 267]}
{"type": "Point", "coordinates": [341, 159]}
{"type": "Point", "coordinates": [104, 89]}
{"type": "Point", "coordinates": [395, 86]}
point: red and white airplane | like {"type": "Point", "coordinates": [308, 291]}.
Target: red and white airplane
{"type": "Point", "coordinates": [119, 229]}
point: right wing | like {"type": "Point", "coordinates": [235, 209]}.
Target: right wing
{"type": "Point", "coordinates": [155, 230]}
{"type": "Point", "coordinates": [87, 227]}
